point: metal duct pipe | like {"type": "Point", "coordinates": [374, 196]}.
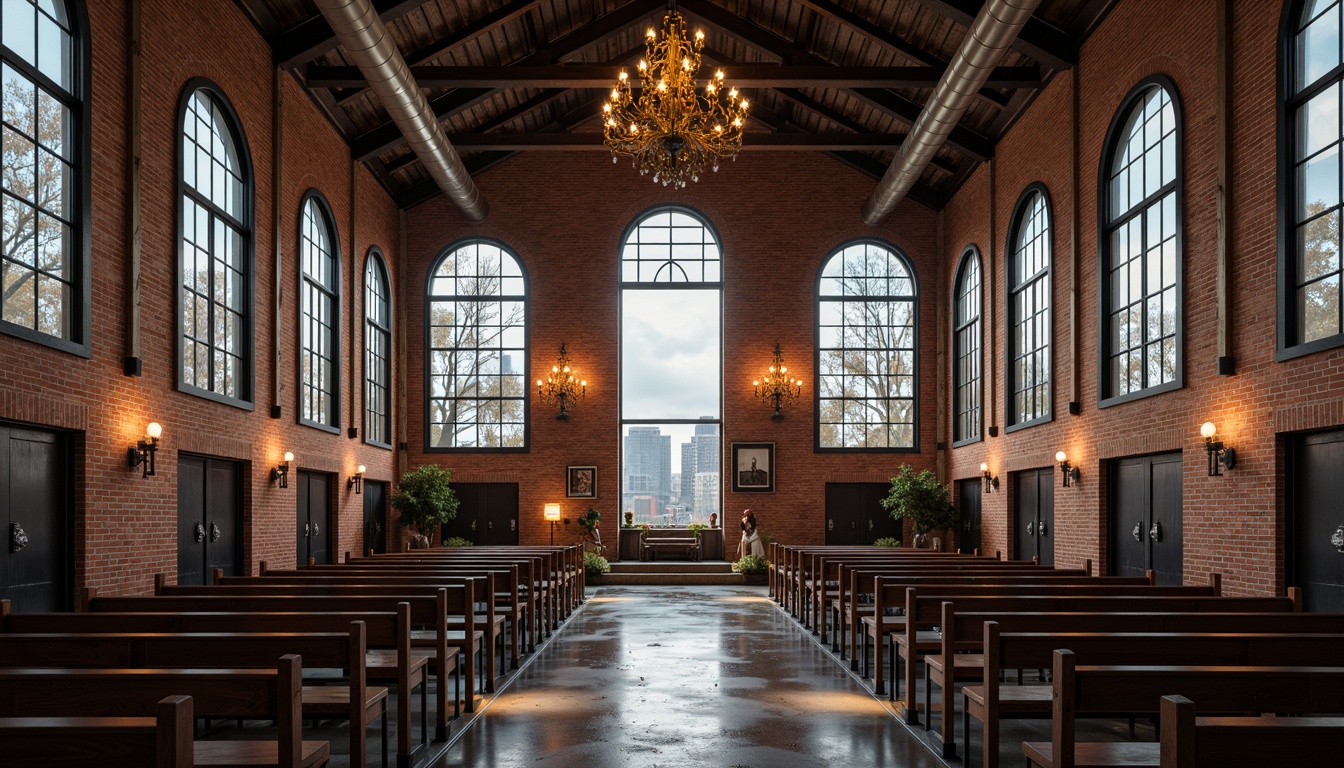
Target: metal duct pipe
{"type": "Point", "coordinates": [994, 29]}
{"type": "Point", "coordinates": [365, 39]}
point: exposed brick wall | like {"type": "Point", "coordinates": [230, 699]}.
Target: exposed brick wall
{"type": "Point", "coordinates": [125, 526]}
{"type": "Point", "coordinates": [778, 217]}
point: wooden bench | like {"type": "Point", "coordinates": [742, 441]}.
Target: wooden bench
{"type": "Point", "coordinates": [1244, 742]}
{"type": "Point", "coordinates": [163, 741]}
{"type": "Point", "coordinates": [1083, 691]}
{"type": "Point", "coordinates": [355, 701]}
{"type": "Point", "coordinates": [688, 544]}
{"type": "Point", "coordinates": [253, 694]}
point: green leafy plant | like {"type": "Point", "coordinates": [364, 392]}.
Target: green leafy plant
{"type": "Point", "coordinates": [696, 528]}
{"type": "Point", "coordinates": [922, 499]}
{"type": "Point", "coordinates": [887, 541]}
{"type": "Point", "coordinates": [629, 520]}
{"type": "Point", "coordinates": [595, 564]}
{"type": "Point", "coordinates": [751, 565]}
{"type": "Point", "coordinates": [456, 541]}
{"type": "Point", "coordinates": [588, 521]}
{"type": "Point", "coordinates": [425, 498]}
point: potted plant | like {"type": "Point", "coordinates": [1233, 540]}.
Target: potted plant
{"type": "Point", "coordinates": [425, 499]}
{"type": "Point", "coordinates": [591, 536]}
{"type": "Point", "coordinates": [753, 568]}
{"type": "Point", "coordinates": [922, 499]}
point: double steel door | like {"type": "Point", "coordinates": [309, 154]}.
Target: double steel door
{"type": "Point", "coordinates": [854, 514]}
{"type": "Point", "coordinates": [1034, 515]}
{"type": "Point", "coordinates": [313, 523]}
{"type": "Point", "coordinates": [209, 515]}
{"type": "Point", "coordinates": [487, 514]}
{"type": "Point", "coordinates": [1146, 525]}
{"type": "Point", "coordinates": [35, 560]}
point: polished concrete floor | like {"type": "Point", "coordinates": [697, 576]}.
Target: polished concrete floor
{"type": "Point", "coordinates": [645, 677]}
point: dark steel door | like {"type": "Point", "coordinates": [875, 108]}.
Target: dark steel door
{"type": "Point", "coordinates": [209, 514]}
{"type": "Point", "coordinates": [35, 561]}
{"type": "Point", "coordinates": [375, 517]}
{"type": "Point", "coordinates": [854, 514]}
{"type": "Point", "coordinates": [1316, 517]}
{"type": "Point", "coordinates": [1146, 519]}
{"type": "Point", "coordinates": [313, 529]}
{"type": "Point", "coordinates": [487, 514]}
{"type": "Point", "coordinates": [1034, 515]}
{"type": "Point", "coordinates": [968, 502]}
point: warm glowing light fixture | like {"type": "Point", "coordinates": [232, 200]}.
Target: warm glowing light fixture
{"type": "Point", "coordinates": [777, 388]}
{"type": "Point", "coordinates": [671, 130]}
{"type": "Point", "coordinates": [280, 474]}
{"type": "Point", "coordinates": [991, 482]}
{"type": "Point", "coordinates": [1068, 471]}
{"type": "Point", "coordinates": [357, 479]}
{"type": "Point", "coordinates": [142, 453]}
{"type": "Point", "coordinates": [1220, 456]}
{"type": "Point", "coordinates": [562, 385]}
{"type": "Point", "coordinates": [552, 514]}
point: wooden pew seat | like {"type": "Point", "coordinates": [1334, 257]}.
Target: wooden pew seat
{"type": "Point", "coordinates": [163, 741]}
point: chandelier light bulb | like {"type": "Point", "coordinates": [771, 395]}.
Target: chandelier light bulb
{"type": "Point", "coordinates": [1061, 457]}
{"type": "Point", "coordinates": [154, 431]}
{"type": "Point", "coordinates": [651, 34]}
{"type": "Point", "coordinates": [718, 75]}
{"type": "Point", "coordinates": [623, 77]}
{"type": "Point", "coordinates": [289, 456]}
{"type": "Point", "coordinates": [1208, 430]}
{"type": "Point", "coordinates": [699, 34]}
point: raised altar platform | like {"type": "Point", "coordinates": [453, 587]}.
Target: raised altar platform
{"type": "Point", "coordinates": [711, 544]}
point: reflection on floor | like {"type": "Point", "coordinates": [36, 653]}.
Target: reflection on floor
{"type": "Point", "coordinates": [684, 676]}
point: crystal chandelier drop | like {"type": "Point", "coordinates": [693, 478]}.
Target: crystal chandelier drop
{"type": "Point", "coordinates": [670, 130]}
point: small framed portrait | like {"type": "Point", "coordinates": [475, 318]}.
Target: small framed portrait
{"type": "Point", "coordinates": [581, 482]}
{"type": "Point", "coordinates": [753, 467]}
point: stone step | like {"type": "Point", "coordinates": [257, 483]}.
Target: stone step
{"type": "Point", "coordinates": [670, 567]}
{"type": "Point", "coordinates": [680, 579]}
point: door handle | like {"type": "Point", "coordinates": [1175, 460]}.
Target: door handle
{"type": "Point", "coordinates": [1031, 528]}
{"type": "Point", "coordinates": [314, 529]}
{"type": "Point", "coordinates": [966, 526]}
{"type": "Point", "coordinates": [870, 525]}
{"type": "Point", "coordinates": [1138, 531]}
{"type": "Point", "coordinates": [513, 525]}
{"type": "Point", "coordinates": [307, 530]}
{"type": "Point", "coordinates": [830, 524]}
{"type": "Point", "coordinates": [1040, 528]}
{"type": "Point", "coordinates": [200, 532]}
{"type": "Point", "coordinates": [473, 525]}
{"type": "Point", "coordinates": [377, 526]}
{"type": "Point", "coordinates": [214, 533]}
{"type": "Point", "coordinates": [490, 526]}
{"type": "Point", "coordinates": [1155, 533]}
{"type": "Point", "coordinates": [1337, 539]}
{"type": "Point", "coordinates": [18, 538]}
{"type": "Point", "coordinates": [852, 525]}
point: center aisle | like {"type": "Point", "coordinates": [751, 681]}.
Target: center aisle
{"type": "Point", "coordinates": [684, 676]}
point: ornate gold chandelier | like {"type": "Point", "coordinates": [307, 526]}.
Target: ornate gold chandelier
{"type": "Point", "coordinates": [776, 388]}
{"type": "Point", "coordinates": [671, 131]}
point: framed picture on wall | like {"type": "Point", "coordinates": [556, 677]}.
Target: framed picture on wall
{"type": "Point", "coordinates": [753, 467]}
{"type": "Point", "coordinates": [581, 482]}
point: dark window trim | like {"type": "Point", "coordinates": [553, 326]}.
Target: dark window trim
{"type": "Point", "coordinates": [527, 346]}
{"type": "Point", "coordinates": [81, 309]}
{"type": "Point", "coordinates": [968, 254]}
{"type": "Point", "coordinates": [375, 256]}
{"type": "Point", "coordinates": [816, 347]}
{"type": "Point", "coordinates": [248, 381]}
{"type": "Point", "coordinates": [324, 207]}
{"type": "Point", "coordinates": [1020, 210]}
{"type": "Point", "coordinates": [1103, 252]}
{"type": "Point", "coordinates": [1285, 201]}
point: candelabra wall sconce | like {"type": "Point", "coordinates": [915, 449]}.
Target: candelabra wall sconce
{"type": "Point", "coordinates": [1220, 456]}
{"type": "Point", "coordinates": [777, 388]}
{"type": "Point", "coordinates": [562, 385]}
{"type": "Point", "coordinates": [991, 480]}
{"type": "Point", "coordinates": [142, 453]}
{"type": "Point", "coordinates": [1069, 472]}
{"type": "Point", "coordinates": [280, 474]}
{"type": "Point", "coordinates": [357, 480]}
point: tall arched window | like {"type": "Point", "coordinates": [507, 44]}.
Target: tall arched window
{"type": "Point", "coordinates": [866, 344]}
{"type": "Point", "coordinates": [1310, 137]}
{"type": "Point", "coordinates": [1140, 215]}
{"type": "Point", "coordinates": [966, 401]}
{"type": "Point", "coordinates": [377, 351]}
{"type": "Point", "coordinates": [477, 351]}
{"type": "Point", "coordinates": [44, 286]}
{"type": "Point", "coordinates": [671, 288]}
{"type": "Point", "coordinates": [319, 315]}
{"type": "Point", "coordinates": [1029, 328]}
{"type": "Point", "coordinates": [215, 249]}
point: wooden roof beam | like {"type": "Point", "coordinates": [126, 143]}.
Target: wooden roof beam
{"type": "Point", "coordinates": [595, 142]}
{"type": "Point", "coordinates": [313, 37]}
{"type": "Point", "coordinates": [1038, 40]}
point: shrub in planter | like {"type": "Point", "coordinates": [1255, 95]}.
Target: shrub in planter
{"type": "Point", "coordinates": [425, 499]}
{"type": "Point", "coordinates": [922, 499]}
{"type": "Point", "coordinates": [456, 541]}
{"type": "Point", "coordinates": [751, 565]}
{"type": "Point", "coordinates": [595, 564]}
{"type": "Point", "coordinates": [887, 541]}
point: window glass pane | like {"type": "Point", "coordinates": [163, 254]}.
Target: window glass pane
{"type": "Point", "coordinates": [670, 354]}
{"type": "Point", "coordinates": [317, 382]}
{"type": "Point", "coordinates": [966, 341]}
{"type": "Point", "coordinates": [1317, 45]}
{"type": "Point", "coordinates": [670, 247]}
{"type": "Point", "coordinates": [1029, 312]}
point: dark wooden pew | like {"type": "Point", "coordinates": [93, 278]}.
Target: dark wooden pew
{"type": "Point", "coordinates": [164, 741]}
{"type": "Point", "coordinates": [253, 694]}
{"type": "Point", "coordinates": [1246, 742]}
{"type": "Point", "coordinates": [1083, 691]}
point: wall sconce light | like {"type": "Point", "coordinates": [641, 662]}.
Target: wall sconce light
{"type": "Point", "coordinates": [562, 385]}
{"type": "Point", "coordinates": [1069, 471]}
{"type": "Point", "coordinates": [1219, 455]}
{"type": "Point", "coordinates": [142, 453]}
{"type": "Point", "coordinates": [281, 473]}
{"type": "Point", "coordinates": [777, 388]}
{"type": "Point", "coordinates": [552, 515]}
{"type": "Point", "coordinates": [357, 479]}
{"type": "Point", "coordinates": [991, 481]}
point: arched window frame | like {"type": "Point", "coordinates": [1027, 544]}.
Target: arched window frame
{"type": "Point", "coordinates": [1105, 225]}
{"type": "Point", "coordinates": [245, 226]}
{"type": "Point", "coordinates": [1290, 99]}
{"type": "Point", "coordinates": [79, 251]}
{"type": "Point", "coordinates": [333, 423]}
{"type": "Point", "coordinates": [375, 269]}
{"type": "Point", "coordinates": [963, 333]}
{"type": "Point", "coordinates": [913, 298]}
{"type": "Point", "coordinates": [525, 298]}
{"type": "Point", "coordinates": [1021, 212]}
